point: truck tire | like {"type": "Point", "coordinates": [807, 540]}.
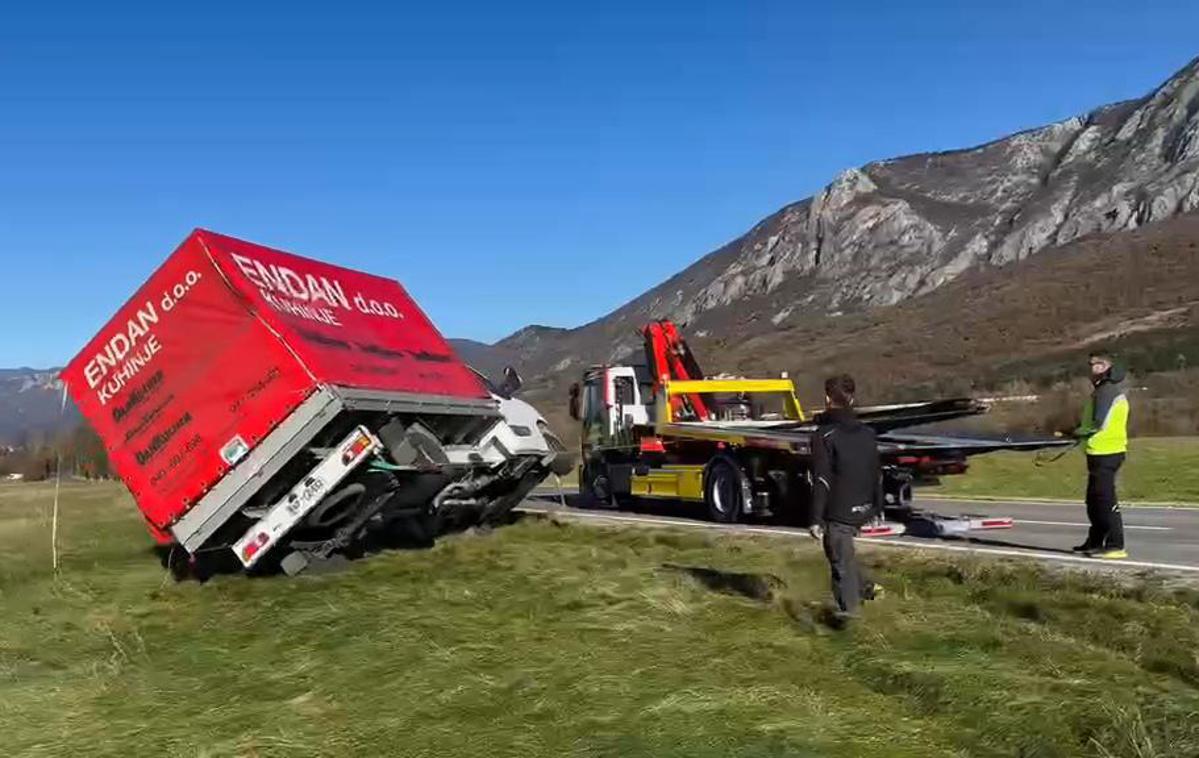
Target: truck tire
{"type": "Point", "coordinates": [337, 507]}
{"type": "Point", "coordinates": [599, 490]}
{"type": "Point", "coordinates": [599, 494]}
{"type": "Point", "coordinates": [723, 491]}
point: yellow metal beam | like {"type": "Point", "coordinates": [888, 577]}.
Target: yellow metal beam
{"type": "Point", "coordinates": [670, 482]}
{"type": "Point", "coordinates": [785, 387]}
{"type": "Point", "coordinates": [688, 386]}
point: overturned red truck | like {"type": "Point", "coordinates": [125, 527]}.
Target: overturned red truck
{"type": "Point", "coordinates": [283, 407]}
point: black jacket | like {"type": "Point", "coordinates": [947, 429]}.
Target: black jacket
{"type": "Point", "coordinates": [847, 483]}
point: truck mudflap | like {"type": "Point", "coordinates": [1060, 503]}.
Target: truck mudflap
{"type": "Point", "coordinates": [308, 492]}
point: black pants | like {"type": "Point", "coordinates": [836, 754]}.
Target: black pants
{"type": "Point", "coordinates": [1103, 508]}
{"type": "Point", "coordinates": [850, 583]}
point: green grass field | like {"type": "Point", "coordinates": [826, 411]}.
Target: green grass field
{"type": "Point", "coordinates": [1157, 469]}
{"type": "Point", "coordinates": [544, 639]}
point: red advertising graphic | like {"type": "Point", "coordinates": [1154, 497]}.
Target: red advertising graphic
{"type": "Point", "coordinates": [181, 373]}
{"type": "Point", "coordinates": [351, 329]}
{"type": "Point", "coordinates": [223, 342]}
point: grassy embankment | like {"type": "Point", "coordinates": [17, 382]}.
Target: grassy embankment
{"type": "Point", "coordinates": [548, 639]}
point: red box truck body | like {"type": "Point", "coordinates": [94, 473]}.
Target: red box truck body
{"type": "Point", "coordinates": [226, 342]}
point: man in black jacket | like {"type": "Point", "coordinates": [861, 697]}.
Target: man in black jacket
{"type": "Point", "coordinates": [847, 491]}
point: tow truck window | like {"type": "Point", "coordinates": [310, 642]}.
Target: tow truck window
{"type": "Point", "coordinates": [624, 390]}
{"type": "Point", "coordinates": [593, 405]}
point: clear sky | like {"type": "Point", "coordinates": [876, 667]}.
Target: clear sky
{"type": "Point", "coordinates": [509, 162]}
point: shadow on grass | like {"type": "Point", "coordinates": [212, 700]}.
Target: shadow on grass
{"type": "Point", "coordinates": [764, 588]}
{"type": "Point", "coordinates": [810, 616]}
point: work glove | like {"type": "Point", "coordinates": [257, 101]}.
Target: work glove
{"type": "Point", "coordinates": [817, 532]}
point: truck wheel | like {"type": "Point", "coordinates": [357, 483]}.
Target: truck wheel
{"type": "Point", "coordinates": [722, 491]}
{"type": "Point", "coordinates": [601, 490]}
{"type": "Point", "coordinates": [336, 507]}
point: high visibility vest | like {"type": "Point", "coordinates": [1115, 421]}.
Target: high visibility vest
{"type": "Point", "coordinates": [1110, 435]}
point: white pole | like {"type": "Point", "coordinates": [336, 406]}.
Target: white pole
{"type": "Point", "coordinates": [62, 409]}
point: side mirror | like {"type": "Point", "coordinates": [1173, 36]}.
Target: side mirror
{"type": "Point", "coordinates": [574, 401]}
{"type": "Point", "coordinates": [512, 382]}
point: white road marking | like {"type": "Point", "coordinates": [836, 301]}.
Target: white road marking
{"type": "Point", "coordinates": [1097, 562]}
{"type": "Point", "coordinates": [890, 541]}
{"type": "Point", "coordinates": [1020, 521]}
{"type": "Point", "coordinates": [1138, 504]}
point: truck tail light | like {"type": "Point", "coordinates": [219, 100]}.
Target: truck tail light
{"type": "Point", "coordinates": [360, 443]}
{"type": "Point", "coordinates": [251, 549]}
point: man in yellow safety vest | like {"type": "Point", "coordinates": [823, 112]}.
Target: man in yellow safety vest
{"type": "Point", "coordinates": [1105, 432]}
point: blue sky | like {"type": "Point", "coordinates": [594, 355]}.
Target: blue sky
{"type": "Point", "coordinates": [510, 163]}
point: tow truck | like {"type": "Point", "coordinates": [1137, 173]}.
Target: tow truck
{"type": "Point", "coordinates": [741, 447]}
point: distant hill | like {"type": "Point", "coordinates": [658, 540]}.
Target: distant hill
{"type": "Point", "coordinates": [1031, 322]}
{"type": "Point", "coordinates": [900, 228]}
{"type": "Point", "coordinates": [489, 360]}
{"type": "Point", "coordinates": [31, 405]}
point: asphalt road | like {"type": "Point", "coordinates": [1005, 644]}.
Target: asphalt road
{"type": "Point", "coordinates": [1160, 538]}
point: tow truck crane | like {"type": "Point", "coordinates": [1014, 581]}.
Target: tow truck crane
{"type": "Point", "coordinates": [742, 446]}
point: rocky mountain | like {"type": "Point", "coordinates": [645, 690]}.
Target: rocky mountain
{"type": "Point", "coordinates": [31, 405]}
{"type": "Point", "coordinates": [1022, 328]}
{"type": "Point", "coordinates": [894, 229]}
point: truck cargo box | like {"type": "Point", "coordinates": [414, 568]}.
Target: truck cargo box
{"type": "Point", "coordinates": [230, 354]}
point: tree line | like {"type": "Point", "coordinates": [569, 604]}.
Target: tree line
{"type": "Point", "coordinates": [80, 452]}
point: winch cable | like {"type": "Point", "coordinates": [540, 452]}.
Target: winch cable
{"type": "Point", "coordinates": [1041, 460]}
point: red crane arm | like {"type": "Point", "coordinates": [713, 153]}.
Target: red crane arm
{"type": "Point", "coordinates": [669, 357]}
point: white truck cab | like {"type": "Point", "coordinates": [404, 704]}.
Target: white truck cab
{"type": "Point", "coordinates": [521, 430]}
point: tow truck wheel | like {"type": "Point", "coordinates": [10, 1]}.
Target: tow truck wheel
{"type": "Point", "coordinates": [722, 491]}
{"type": "Point", "coordinates": [601, 491]}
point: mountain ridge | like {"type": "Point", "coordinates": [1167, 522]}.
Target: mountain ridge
{"type": "Point", "coordinates": [896, 228]}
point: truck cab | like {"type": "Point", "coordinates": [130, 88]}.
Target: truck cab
{"type": "Point", "coordinates": [612, 400]}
